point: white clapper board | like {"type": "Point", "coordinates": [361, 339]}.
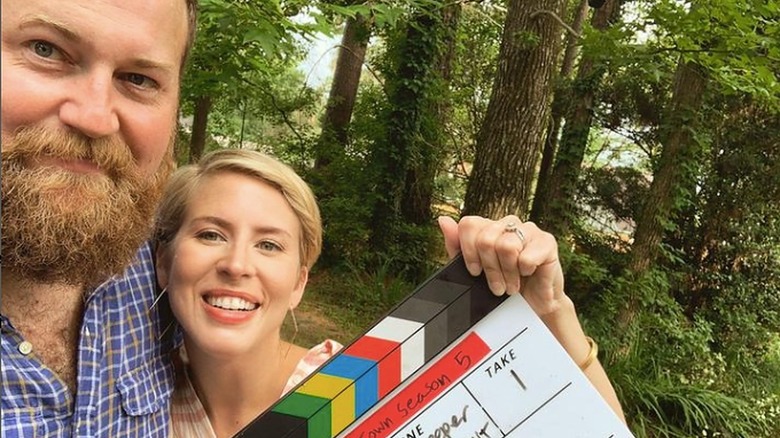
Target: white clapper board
{"type": "Point", "coordinates": [450, 361]}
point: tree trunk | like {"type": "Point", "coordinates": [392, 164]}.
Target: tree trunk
{"type": "Point", "coordinates": [558, 209]}
{"type": "Point", "coordinates": [343, 91]}
{"type": "Point", "coordinates": [419, 182]}
{"type": "Point", "coordinates": [672, 179]}
{"type": "Point", "coordinates": [560, 99]}
{"type": "Point", "coordinates": [510, 140]}
{"type": "Point", "coordinates": [407, 161]}
{"type": "Point", "coordinates": [199, 127]}
{"type": "Point", "coordinates": [672, 183]}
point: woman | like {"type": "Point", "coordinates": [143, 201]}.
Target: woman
{"type": "Point", "coordinates": [236, 237]}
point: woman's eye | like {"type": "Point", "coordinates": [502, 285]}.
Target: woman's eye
{"type": "Point", "coordinates": [267, 245]}
{"type": "Point", "coordinates": [211, 236]}
{"type": "Point", "coordinates": [45, 49]}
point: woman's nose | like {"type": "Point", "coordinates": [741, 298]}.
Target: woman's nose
{"type": "Point", "coordinates": [236, 262]}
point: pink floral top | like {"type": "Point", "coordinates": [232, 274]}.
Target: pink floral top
{"type": "Point", "coordinates": [188, 417]}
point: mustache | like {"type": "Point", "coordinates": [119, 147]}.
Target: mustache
{"type": "Point", "coordinates": [71, 227]}
{"type": "Point", "coordinates": [110, 154]}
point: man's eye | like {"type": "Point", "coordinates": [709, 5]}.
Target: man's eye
{"type": "Point", "coordinates": [140, 80]}
{"type": "Point", "coordinates": [45, 49]}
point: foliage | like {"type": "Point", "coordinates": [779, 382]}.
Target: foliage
{"type": "Point", "coordinates": [686, 410]}
{"type": "Point", "coordinates": [346, 199]}
{"type": "Point", "coordinates": [708, 325]}
{"type": "Point", "coordinates": [735, 41]}
{"type": "Point", "coordinates": [674, 382]}
{"type": "Point", "coordinates": [470, 88]}
{"type": "Point", "coordinates": [707, 360]}
{"type": "Point", "coordinates": [413, 88]}
{"type": "Point", "coordinates": [237, 38]}
{"type": "Point", "coordinates": [617, 190]}
{"type": "Point", "coordinates": [472, 80]}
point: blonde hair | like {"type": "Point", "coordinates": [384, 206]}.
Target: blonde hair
{"type": "Point", "coordinates": [183, 184]}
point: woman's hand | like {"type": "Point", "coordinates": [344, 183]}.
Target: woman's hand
{"type": "Point", "coordinates": [516, 257]}
{"type": "Point", "coordinates": [519, 257]}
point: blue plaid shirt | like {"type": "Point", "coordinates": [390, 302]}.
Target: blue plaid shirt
{"type": "Point", "coordinates": [125, 377]}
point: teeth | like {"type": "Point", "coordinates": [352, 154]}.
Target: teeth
{"type": "Point", "coordinates": [230, 303]}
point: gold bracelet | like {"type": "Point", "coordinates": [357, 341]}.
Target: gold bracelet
{"type": "Point", "coordinates": [594, 351]}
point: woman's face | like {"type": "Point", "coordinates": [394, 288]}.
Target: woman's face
{"type": "Point", "coordinates": [233, 270]}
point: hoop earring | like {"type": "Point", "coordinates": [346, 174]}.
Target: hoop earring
{"type": "Point", "coordinates": [165, 330]}
{"type": "Point", "coordinates": [171, 321]}
{"type": "Point", "coordinates": [295, 332]}
{"type": "Point", "coordinates": [295, 325]}
{"type": "Point", "coordinates": [158, 298]}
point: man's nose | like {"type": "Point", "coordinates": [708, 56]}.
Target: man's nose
{"type": "Point", "coordinates": [91, 105]}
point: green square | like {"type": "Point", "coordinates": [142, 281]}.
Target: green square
{"type": "Point", "coordinates": [319, 424]}
{"type": "Point", "coordinates": [301, 405]}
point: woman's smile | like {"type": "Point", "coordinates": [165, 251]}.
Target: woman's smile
{"type": "Point", "coordinates": [227, 307]}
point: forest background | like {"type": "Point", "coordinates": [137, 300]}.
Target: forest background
{"type": "Point", "coordinates": [644, 134]}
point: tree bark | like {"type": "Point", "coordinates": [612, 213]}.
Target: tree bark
{"type": "Point", "coordinates": [557, 208]}
{"type": "Point", "coordinates": [199, 127]}
{"type": "Point", "coordinates": [510, 140]}
{"type": "Point", "coordinates": [397, 158]}
{"type": "Point", "coordinates": [560, 97]}
{"type": "Point", "coordinates": [672, 183]}
{"type": "Point", "coordinates": [672, 179]}
{"type": "Point", "coordinates": [343, 90]}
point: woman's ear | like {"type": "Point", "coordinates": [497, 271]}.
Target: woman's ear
{"type": "Point", "coordinates": [297, 294]}
{"type": "Point", "coordinates": [161, 264]}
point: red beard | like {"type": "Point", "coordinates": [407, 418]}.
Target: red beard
{"type": "Point", "coordinates": [72, 227]}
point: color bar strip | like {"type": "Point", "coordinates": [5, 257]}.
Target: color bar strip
{"type": "Point", "coordinates": [425, 388]}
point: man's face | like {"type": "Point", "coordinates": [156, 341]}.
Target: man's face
{"type": "Point", "coordinates": [89, 102]}
{"type": "Point", "coordinates": [102, 68]}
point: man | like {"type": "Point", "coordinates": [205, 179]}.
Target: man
{"type": "Point", "coordinates": [90, 94]}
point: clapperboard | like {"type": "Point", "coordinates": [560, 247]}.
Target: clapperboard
{"type": "Point", "coordinates": [452, 360]}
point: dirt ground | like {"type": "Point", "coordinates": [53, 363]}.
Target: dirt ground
{"type": "Point", "coordinates": [314, 325]}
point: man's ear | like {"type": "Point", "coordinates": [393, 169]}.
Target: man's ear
{"type": "Point", "coordinates": [297, 294]}
{"type": "Point", "coordinates": [161, 264]}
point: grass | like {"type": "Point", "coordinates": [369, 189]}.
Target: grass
{"type": "Point", "coordinates": [342, 305]}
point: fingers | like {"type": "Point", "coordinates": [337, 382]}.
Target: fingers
{"type": "Point", "coordinates": [449, 229]}
{"type": "Point", "coordinates": [515, 256]}
{"type": "Point", "coordinates": [499, 249]}
{"type": "Point", "coordinates": [471, 231]}
{"type": "Point", "coordinates": [540, 248]}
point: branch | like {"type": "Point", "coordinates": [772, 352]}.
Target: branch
{"type": "Point", "coordinates": [556, 18]}
{"type": "Point", "coordinates": [364, 63]}
{"type": "Point", "coordinates": [276, 106]}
